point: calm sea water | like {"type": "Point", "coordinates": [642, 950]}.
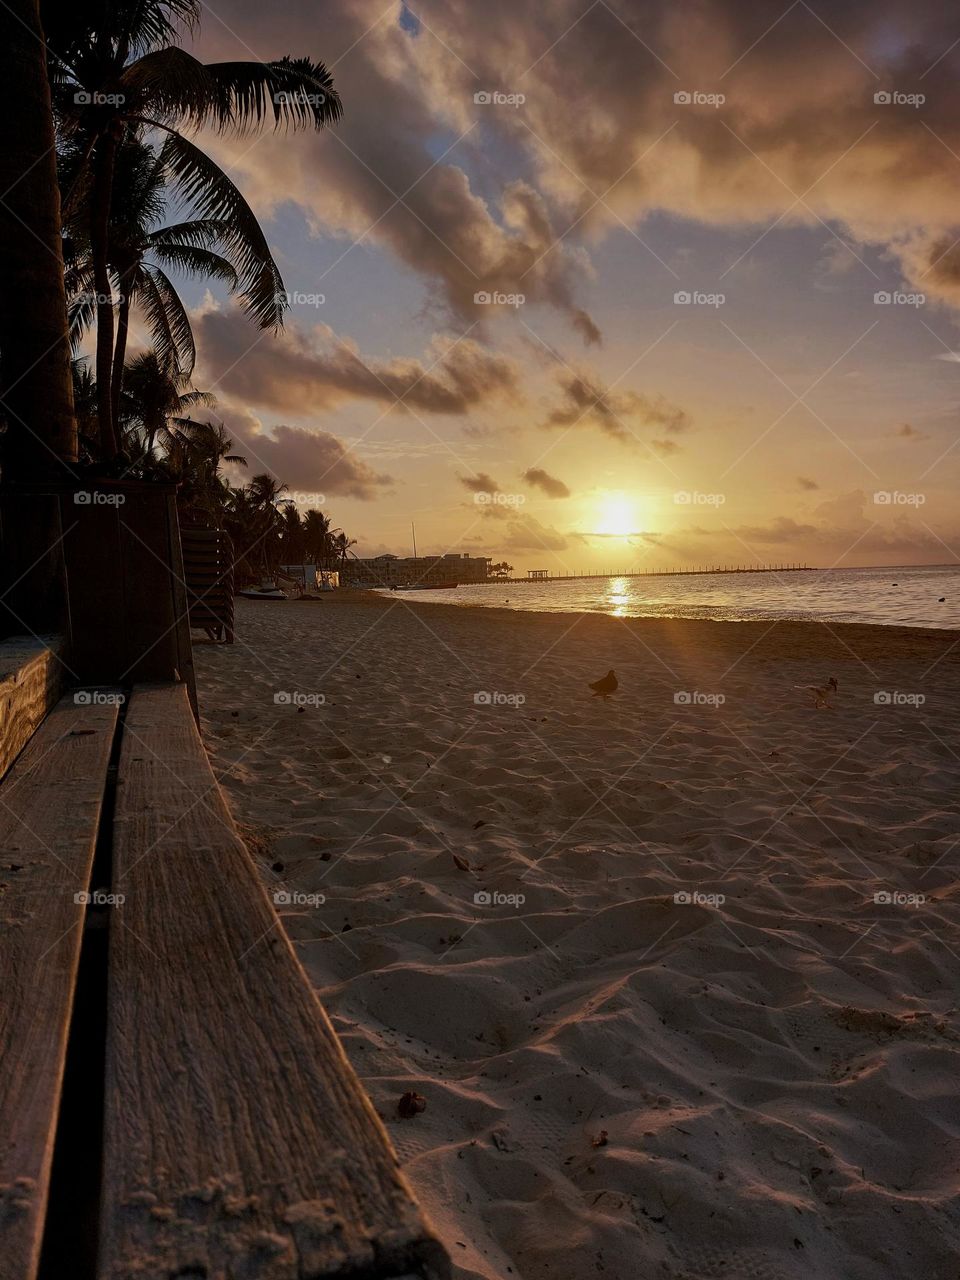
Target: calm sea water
{"type": "Point", "coordinates": [906, 597]}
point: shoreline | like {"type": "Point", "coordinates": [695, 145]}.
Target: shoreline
{"type": "Point", "coordinates": [899, 633]}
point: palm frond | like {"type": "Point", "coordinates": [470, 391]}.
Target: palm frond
{"type": "Point", "coordinates": [297, 92]}
{"type": "Point", "coordinates": [196, 262]}
{"type": "Point", "coordinates": [201, 183]}
{"type": "Point", "coordinates": [167, 320]}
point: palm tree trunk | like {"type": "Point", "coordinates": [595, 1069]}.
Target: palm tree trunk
{"type": "Point", "coordinates": [120, 349]}
{"type": "Point", "coordinates": [36, 393]}
{"type": "Point", "coordinates": [99, 242]}
{"type": "Point", "coordinates": [36, 386]}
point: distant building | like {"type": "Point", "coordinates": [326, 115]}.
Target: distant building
{"type": "Point", "coordinates": [396, 571]}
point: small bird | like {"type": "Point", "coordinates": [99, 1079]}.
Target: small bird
{"type": "Point", "coordinates": [821, 693]}
{"type": "Point", "coordinates": [603, 688]}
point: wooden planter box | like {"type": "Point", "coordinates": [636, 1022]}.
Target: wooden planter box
{"type": "Point", "coordinates": [115, 549]}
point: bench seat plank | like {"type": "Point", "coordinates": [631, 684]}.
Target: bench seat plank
{"type": "Point", "coordinates": [239, 1144]}
{"type": "Point", "coordinates": [50, 804]}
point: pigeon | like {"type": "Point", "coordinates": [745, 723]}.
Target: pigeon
{"type": "Point", "coordinates": [603, 688]}
{"type": "Point", "coordinates": [821, 693]}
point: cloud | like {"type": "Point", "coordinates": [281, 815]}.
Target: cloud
{"type": "Point", "coordinates": [799, 117]}
{"type": "Point", "coordinates": [849, 523]}
{"type": "Point", "coordinates": [519, 531]}
{"type": "Point", "coordinates": [298, 373]}
{"type": "Point", "coordinates": [550, 485]}
{"type": "Point", "coordinates": [907, 432]}
{"type": "Point", "coordinates": [313, 461]}
{"type": "Point", "coordinates": [526, 533]}
{"type": "Point", "coordinates": [806, 484]}
{"type": "Point", "coordinates": [480, 483]}
{"type": "Point", "coordinates": [587, 403]}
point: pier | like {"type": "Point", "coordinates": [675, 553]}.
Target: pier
{"type": "Point", "coordinates": [544, 575]}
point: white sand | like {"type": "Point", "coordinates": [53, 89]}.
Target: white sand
{"type": "Point", "coordinates": [777, 1076]}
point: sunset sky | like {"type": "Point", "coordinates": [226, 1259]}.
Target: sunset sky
{"type": "Point", "coordinates": [756, 425]}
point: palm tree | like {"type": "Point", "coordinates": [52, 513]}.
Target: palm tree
{"type": "Point", "coordinates": [293, 540]}
{"type": "Point", "coordinates": [140, 254]}
{"type": "Point", "coordinates": [157, 396]}
{"type": "Point", "coordinates": [117, 71]}
{"type": "Point", "coordinates": [341, 545]}
{"type": "Point", "coordinates": [36, 386]}
{"type": "Point", "coordinates": [193, 455]}
{"type": "Point", "coordinates": [316, 535]}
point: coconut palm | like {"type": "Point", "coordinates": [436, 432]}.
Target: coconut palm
{"type": "Point", "coordinates": [157, 398]}
{"type": "Point", "coordinates": [117, 70]}
{"type": "Point", "coordinates": [140, 254]}
{"type": "Point", "coordinates": [293, 539]}
{"type": "Point", "coordinates": [341, 545]}
{"type": "Point", "coordinates": [193, 455]}
{"type": "Point", "coordinates": [316, 536]}
{"type": "Point", "coordinates": [36, 386]}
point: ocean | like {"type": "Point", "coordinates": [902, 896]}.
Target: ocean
{"type": "Point", "coordinates": [895, 596]}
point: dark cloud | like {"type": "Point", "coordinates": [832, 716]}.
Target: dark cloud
{"type": "Point", "coordinates": [587, 403]}
{"type": "Point", "coordinates": [293, 372]}
{"type": "Point", "coordinates": [480, 483]}
{"type": "Point", "coordinates": [306, 461]}
{"type": "Point", "coordinates": [550, 485]}
{"type": "Point", "coordinates": [908, 432]}
{"type": "Point", "coordinates": [799, 117]}
{"type": "Point", "coordinates": [807, 485]}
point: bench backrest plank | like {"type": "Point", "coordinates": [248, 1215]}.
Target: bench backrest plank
{"type": "Point", "coordinates": [238, 1142]}
{"type": "Point", "coordinates": [50, 804]}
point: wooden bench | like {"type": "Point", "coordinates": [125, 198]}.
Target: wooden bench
{"type": "Point", "coordinates": [50, 807]}
{"type": "Point", "coordinates": [237, 1143]}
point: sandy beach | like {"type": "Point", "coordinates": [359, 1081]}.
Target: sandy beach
{"type": "Point", "coordinates": [676, 973]}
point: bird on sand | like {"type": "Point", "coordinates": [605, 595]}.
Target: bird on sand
{"type": "Point", "coordinates": [603, 688]}
{"type": "Point", "coordinates": [821, 693]}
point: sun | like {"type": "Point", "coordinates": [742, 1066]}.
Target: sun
{"type": "Point", "coordinates": [617, 516]}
